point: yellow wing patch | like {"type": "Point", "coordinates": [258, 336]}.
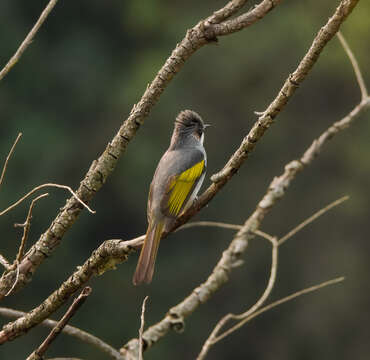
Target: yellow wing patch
{"type": "Point", "coordinates": [181, 186]}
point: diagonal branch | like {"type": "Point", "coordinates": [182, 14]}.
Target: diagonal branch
{"type": "Point", "coordinates": [71, 331]}
{"type": "Point", "coordinates": [27, 41]}
{"type": "Point", "coordinates": [8, 157]}
{"type": "Point", "coordinates": [141, 330]}
{"type": "Point", "coordinates": [230, 9]}
{"type": "Point", "coordinates": [195, 38]}
{"type": "Point", "coordinates": [356, 68]}
{"type": "Point", "coordinates": [312, 218]}
{"type": "Point", "coordinates": [106, 257]}
{"type": "Point", "coordinates": [26, 227]}
{"type": "Point", "coordinates": [77, 303]}
{"type": "Point", "coordinates": [214, 334]}
{"type": "Point", "coordinates": [37, 188]}
{"type": "Point", "coordinates": [250, 316]}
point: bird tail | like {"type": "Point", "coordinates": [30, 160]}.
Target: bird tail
{"type": "Point", "coordinates": [145, 266]}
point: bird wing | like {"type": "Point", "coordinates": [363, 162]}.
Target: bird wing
{"type": "Point", "coordinates": [180, 187]}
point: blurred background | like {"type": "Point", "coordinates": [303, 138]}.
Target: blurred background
{"type": "Point", "coordinates": [76, 83]}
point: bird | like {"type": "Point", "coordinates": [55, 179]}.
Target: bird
{"type": "Point", "coordinates": [176, 182]}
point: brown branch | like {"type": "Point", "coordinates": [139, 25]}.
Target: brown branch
{"type": "Point", "coordinates": [251, 316]}
{"type": "Point", "coordinates": [214, 334]}
{"type": "Point", "coordinates": [11, 207]}
{"type": "Point", "coordinates": [356, 68]}
{"type": "Point", "coordinates": [27, 41]}
{"type": "Point", "coordinates": [77, 303]}
{"type": "Point", "coordinates": [26, 227]}
{"type": "Point", "coordinates": [71, 331]}
{"type": "Point", "coordinates": [16, 278]}
{"type": "Point", "coordinates": [312, 218]}
{"type": "Point", "coordinates": [245, 19]}
{"type": "Point", "coordinates": [4, 262]}
{"type": "Point", "coordinates": [8, 157]}
{"type": "Point", "coordinates": [195, 38]}
{"type": "Point", "coordinates": [230, 9]}
{"type": "Point", "coordinates": [106, 257]}
{"type": "Point", "coordinates": [142, 323]}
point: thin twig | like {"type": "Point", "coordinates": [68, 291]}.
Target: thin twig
{"type": "Point", "coordinates": [311, 219]}
{"type": "Point", "coordinates": [356, 68]}
{"type": "Point", "coordinates": [223, 226]}
{"type": "Point", "coordinates": [210, 223]}
{"type": "Point", "coordinates": [214, 334]}
{"type": "Point", "coordinates": [41, 187]}
{"type": "Point", "coordinates": [142, 328]}
{"type": "Point", "coordinates": [27, 41]}
{"type": "Point", "coordinates": [4, 262]}
{"type": "Point", "coordinates": [230, 9]}
{"type": "Point", "coordinates": [38, 354]}
{"type": "Point", "coordinates": [8, 157]}
{"type": "Point", "coordinates": [16, 279]}
{"type": "Point", "coordinates": [71, 331]}
{"type": "Point", "coordinates": [279, 302]}
{"type": "Point", "coordinates": [26, 227]}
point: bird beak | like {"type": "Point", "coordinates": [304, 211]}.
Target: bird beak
{"type": "Point", "coordinates": [207, 125]}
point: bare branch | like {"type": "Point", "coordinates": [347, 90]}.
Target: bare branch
{"type": "Point", "coordinates": [225, 226]}
{"type": "Point", "coordinates": [210, 223]}
{"type": "Point", "coordinates": [27, 41]}
{"type": "Point", "coordinates": [212, 339]}
{"type": "Point", "coordinates": [77, 303]}
{"type": "Point", "coordinates": [105, 258]}
{"type": "Point", "coordinates": [142, 328]}
{"type": "Point", "coordinates": [71, 331]}
{"type": "Point", "coordinates": [8, 157]}
{"type": "Point", "coordinates": [26, 227]}
{"type": "Point", "coordinates": [195, 38]}
{"type": "Point", "coordinates": [356, 68]}
{"type": "Point", "coordinates": [230, 9]}
{"type": "Point", "coordinates": [16, 279]}
{"type": "Point", "coordinates": [245, 20]}
{"type": "Point", "coordinates": [312, 218]}
{"type": "Point", "coordinates": [279, 302]}
{"type": "Point", "coordinates": [4, 262]}
{"type": "Point", "coordinates": [41, 187]}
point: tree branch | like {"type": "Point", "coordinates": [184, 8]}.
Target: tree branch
{"type": "Point", "coordinates": [251, 316]}
{"type": "Point", "coordinates": [141, 342]}
{"type": "Point", "coordinates": [26, 227]}
{"type": "Point", "coordinates": [27, 41]}
{"type": "Point", "coordinates": [77, 303]}
{"type": "Point", "coordinates": [312, 218]}
{"type": "Point", "coordinates": [71, 331]}
{"type": "Point", "coordinates": [110, 253]}
{"type": "Point", "coordinates": [214, 334]}
{"type": "Point", "coordinates": [8, 157]}
{"type": "Point", "coordinates": [354, 63]}
{"type": "Point", "coordinates": [37, 188]}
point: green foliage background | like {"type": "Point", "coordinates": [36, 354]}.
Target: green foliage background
{"type": "Point", "coordinates": [70, 92]}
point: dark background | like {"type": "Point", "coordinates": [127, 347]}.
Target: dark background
{"type": "Point", "coordinates": [76, 83]}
